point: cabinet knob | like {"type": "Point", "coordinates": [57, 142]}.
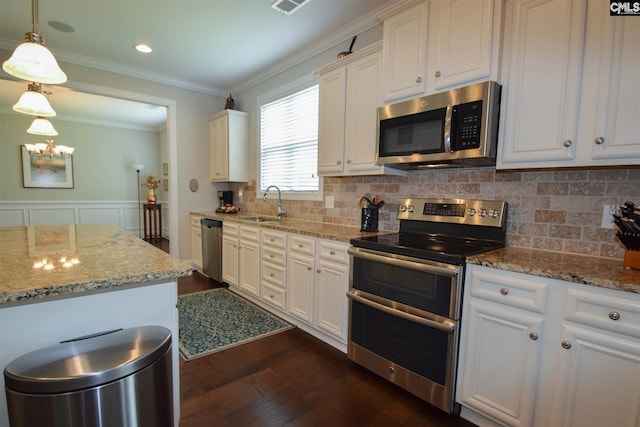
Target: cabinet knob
{"type": "Point", "coordinates": [533, 336]}
{"type": "Point", "coordinates": [318, 271]}
{"type": "Point", "coordinates": [504, 291]}
{"type": "Point", "coordinates": [391, 369]}
{"type": "Point", "coordinates": [332, 252]}
{"type": "Point", "coordinates": [309, 267]}
{"type": "Point", "coordinates": [418, 79]}
{"type": "Point", "coordinates": [438, 74]}
{"type": "Point", "coordinates": [614, 315]}
{"type": "Point", "coordinates": [300, 245]}
{"type": "Point", "coordinates": [272, 239]}
{"type": "Point", "coordinates": [566, 345]}
{"type": "Point", "coordinates": [271, 275]}
{"type": "Point", "coordinates": [567, 143]}
{"type": "Point", "coordinates": [271, 296]}
{"type": "Point", "coordinates": [348, 160]}
{"type": "Point", "coordinates": [339, 162]}
{"type": "Point", "coordinates": [599, 140]}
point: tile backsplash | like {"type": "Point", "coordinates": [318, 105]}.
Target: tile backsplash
{"type": "Point", "coordinates": [557, 210]}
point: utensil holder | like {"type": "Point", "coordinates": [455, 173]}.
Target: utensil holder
{"type": "Point", "coordinates": [369, 221]}
{"type": "Point", "coordinates": [632, 259]}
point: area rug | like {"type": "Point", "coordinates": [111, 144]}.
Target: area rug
{"type": "Point", "coordinates": [217, 319]}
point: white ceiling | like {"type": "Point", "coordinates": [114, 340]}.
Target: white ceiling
{"type": "Point", "coordinates": [213, 46]}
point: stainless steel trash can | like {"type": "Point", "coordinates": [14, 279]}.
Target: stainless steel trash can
{"type": "Point", "coordinates": [116, 378]}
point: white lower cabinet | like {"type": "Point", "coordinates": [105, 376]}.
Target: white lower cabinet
{"type": "Point", "coordinates": [230, 254]}
{"type": "Point", "coordinates": [542, 352]}
{"type": "Point", "coordinates": [273, 246]}
{"type": "Point", "coordinates": [196, 241]}
{"type": "Point", "coordinates": [318, 282]}
{"type": "Point", "coordinates": [249, 260]}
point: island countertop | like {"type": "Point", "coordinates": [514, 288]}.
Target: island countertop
{"type": "Point", "coordinates": [37, 262]}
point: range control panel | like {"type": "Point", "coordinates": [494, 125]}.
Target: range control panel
{"type": "Point", "coordinates": [490, 213]}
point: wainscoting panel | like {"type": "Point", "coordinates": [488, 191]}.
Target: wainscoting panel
{"type": "Point", "coordinates": [121, 214]}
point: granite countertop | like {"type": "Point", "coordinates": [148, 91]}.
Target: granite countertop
{"type": "Point", "coordinates": [107, 257]}
{"type": "Point", "coordinates": [309, 228]}
{"type": "Point", "coordinates": [594, 271]}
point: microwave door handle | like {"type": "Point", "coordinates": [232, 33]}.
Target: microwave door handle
{"type": "Point", "coordinates": [448, 326]}
{"type": "Point", "coordinates": [448, 119]}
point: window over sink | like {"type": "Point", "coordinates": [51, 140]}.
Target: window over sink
{"type": "Point", "coordinates": [289, 140]}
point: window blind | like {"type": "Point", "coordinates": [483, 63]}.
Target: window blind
{"type": "Point", "coordinates": [289, 142]}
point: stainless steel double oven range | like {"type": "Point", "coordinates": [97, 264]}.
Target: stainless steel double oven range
{"type": "Point", "coordinates": [405, 292]}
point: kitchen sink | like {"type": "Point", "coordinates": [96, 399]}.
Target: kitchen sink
{"type": "Point", "coordinates": [259, 219]}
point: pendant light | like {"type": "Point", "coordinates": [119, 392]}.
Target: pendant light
{"type": "Point", "coordinates": [34, 102]}
{"type": "Point", "coordinates": [42, 126]}
{"type": "Point", "coordinates": [32, 60]}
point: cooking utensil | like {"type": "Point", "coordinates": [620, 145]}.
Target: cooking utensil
{"type": "Point", "coordinates": [343, 54]}
{"type": "Point", "coordinates": [362, 202]}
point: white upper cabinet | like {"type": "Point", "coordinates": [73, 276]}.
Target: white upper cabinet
{"type": "Point", "coordinates": [404, 52]}
{"type": "Point", "coordinates": [228, 146]}
{"type": "Point", "coordinates": [570, 89]}
{"type": "Point", "coordinates": [431, 46]}
{"type": "Point", "coordinates": [349, 98]}
{"type": "Point", "coordinates": [464, 42]}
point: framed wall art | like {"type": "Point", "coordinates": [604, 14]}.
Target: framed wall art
{"type": "Point", "coordinates": [165, 169]}
{"type": "Point", "coordinates": [42, 171]}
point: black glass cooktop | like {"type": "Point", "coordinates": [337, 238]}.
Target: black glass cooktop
{"type": "Point", "coordinates": [432, 247]}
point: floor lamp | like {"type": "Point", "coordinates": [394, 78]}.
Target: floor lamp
{"type": "Point", "coordinates": [138, 168]}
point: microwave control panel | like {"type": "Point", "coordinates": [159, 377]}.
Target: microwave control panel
{"type": "Point", "coordinates": [466, 126]}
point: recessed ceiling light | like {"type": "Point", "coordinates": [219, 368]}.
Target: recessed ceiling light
{"type": "Point", "coordinates": [61, 26]}
{"type": "Point", "coordinates": [141, 47]}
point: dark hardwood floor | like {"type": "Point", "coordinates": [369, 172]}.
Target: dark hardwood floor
{"type": "Point", "coordinates": [292, 379]}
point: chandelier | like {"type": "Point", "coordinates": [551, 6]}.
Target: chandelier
{"type": "Point", "coordinates": [48, 149]}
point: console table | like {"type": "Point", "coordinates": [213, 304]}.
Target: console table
{"type": "Point", "coordinates": [152, 221]}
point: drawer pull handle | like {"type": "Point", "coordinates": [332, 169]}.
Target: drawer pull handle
{"type": "Point", "coordinates": [332, 252]}
{"type": "Point", "coordinates": [614, 315]}
{"type": "Point", "coordinates": [566, 345]}
{"type": "Point", "coordinates": [533, 336]}
{"type": "Point", "coordinates": [271, 296]}
{"type": "Point", "coordinates": [504, 291]}
{"type": "Point", "coordinates": [300, 245]}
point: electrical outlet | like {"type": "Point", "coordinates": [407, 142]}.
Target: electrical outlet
{"type": "Point", "coordinates": [329, 202]}
{"type": "Point", "coordinates": [607, 216]}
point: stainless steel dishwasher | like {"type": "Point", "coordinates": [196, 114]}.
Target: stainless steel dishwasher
{"type": "Point", "coordinates": [212, 248]}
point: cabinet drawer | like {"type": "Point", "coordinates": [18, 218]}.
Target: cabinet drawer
{"type": "Point", "coordinates": [274, 296]}
{"type": "Point", "coordinates": [334, 251]}
{"type": "Point", "coordinates": [195, 221]}
{"type": "Point", "coordinates": [512, 289]}
{"type": "Point", "coordinates": [250, 233]}
{"type": "Point", "coordinates": [602, 310]}
{"type": "Point", "coordinates": [274, 239]}
{"type": "Point", "coordinates": [302, 244]}
{"type": "Point", "coordinates": [229, 229]}
{"type": "Point", "coordinates": [274, 256]}
{"type": "Point", "coordinates": [276, 274]}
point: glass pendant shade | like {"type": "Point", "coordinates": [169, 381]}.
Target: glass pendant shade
{"type": "Point", "coordinates": [33, 102]}
{"type": "Point", "coordinates": [42, 126]}
{"type": "Point", "coordinates": [34, 62]}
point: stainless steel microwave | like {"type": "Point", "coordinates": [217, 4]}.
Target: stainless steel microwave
{"type": "Point", "coordinates": [458, 127]}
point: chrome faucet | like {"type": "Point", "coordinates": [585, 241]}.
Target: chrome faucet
{"type": "Point", "coordinates": [281, 211]}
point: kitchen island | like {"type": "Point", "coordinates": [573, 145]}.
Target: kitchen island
{"type": "Point", "coordinates": [65, 281]}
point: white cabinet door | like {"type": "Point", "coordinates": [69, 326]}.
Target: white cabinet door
{"type": "Point", "coordinates": [331, 121]}
{"type": "Point", "coordinates": [229, 146]}
{"type": "Point", "coordinates": [230, 260]}
{"type": "Point", "coordinates": [196, 242]}
{"type": "Point", "coordinates": [404, 53]}
{"type": "Point", "coordinates": [464, 42]}
{"type": "Point", "coordinates": [219, 149]}
{"type": "Point", "coordinates": [540, 98]}
{"type": "Point", "coordinates": [301, 280]}
{"type": "Point", "coordinates": [331, 298]}
{"type": "Point", "coordinates": [249, 259]}
{"type": "Point", "coordinates": [501, 362]}
{"type": "Point", "coordinates": [363, 99]}
{"type": "Point", "coordinates": [611, 91]}
{"type": "Point", "coordinates": [597, 381]}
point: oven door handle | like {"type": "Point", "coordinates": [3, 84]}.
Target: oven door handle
{"type": "Point", "coordinates": [442, 269]}
{"type": "Point", "coordinates": [447, 326]}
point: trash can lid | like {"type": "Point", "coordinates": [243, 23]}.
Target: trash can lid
{"type": "Point", "coordinates": [87, 361]}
